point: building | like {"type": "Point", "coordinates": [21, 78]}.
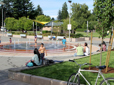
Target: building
{"type": "Point", "coordinates": [48, 26]}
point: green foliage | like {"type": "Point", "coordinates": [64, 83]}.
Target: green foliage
{"type": "Point", "coordinates": [10, 22]}
{"type": "Point", "coordinates": [28, 25]}
{"type": "Point", "coordinates": [59, 17]}
{"type": "Point", "coordinates": [43, 18]}
{"type": "Point", "coordinates": [22, 24]}
{"type": "Point", "coordinates": [84, 26]}
{"type": "Point", "coordinates": [39, 10]}
{"type": "Point", "coordinates": [45, 31]}
{"type": "Point", "coordinates": [73, 23]}
{"type": "Point", "coordinates": [80, 13]}
{"type": "Point", "coordinates": [104, 13]}
{"type": "Point", "coordinates": [64, 11]}
{"type": "Point", "coordinates": [78, 35]}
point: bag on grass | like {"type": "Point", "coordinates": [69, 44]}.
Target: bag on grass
{"type": "Point", "coordinates": [30, 64]}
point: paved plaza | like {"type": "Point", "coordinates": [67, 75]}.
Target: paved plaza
{"type": "Point", "coordinates": [10, 60]}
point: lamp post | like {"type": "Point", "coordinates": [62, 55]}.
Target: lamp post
{"type": "Point", "coordinates": [69, 26]}
{"type": "Point", "coordinates": [2, 13]}
{"type": "Point", "coordinates": [51, 27]}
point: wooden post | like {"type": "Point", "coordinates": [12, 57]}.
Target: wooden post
{"type": "Point", "coordinates": [90, 49]}
{"type": "Point", "coordinates": [108, 58]}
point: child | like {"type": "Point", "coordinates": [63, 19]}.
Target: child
{"type": "Point", "coordinates": [10, 40]}
{"type": "Point", "coordinates": [99, 50]}
{"type": "Point", "coordinates": [0, 39]}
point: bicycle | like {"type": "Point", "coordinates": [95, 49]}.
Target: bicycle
{"type": "Point", "coordinates": [74, 79]}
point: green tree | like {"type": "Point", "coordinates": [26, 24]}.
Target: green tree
{"type": "Point", "coordinates": [80, 13]}
{"type": "Point", "coordinates": [59, 17]}
{"type": "Point", "coordinates": [84, 26]}
{"type": "Point", "coordinates": [43, 18]}
{"type": "Point", "coordinates": [39, 10]}
{"type": "Point", "coordinates": [73, 23]}
{"type": "Point", "coordinates": [22, 21]}
{"type": "Point", "coordinates": [28, 25]}
{"type": "Point", "coordinates": [10, 22]}
{"type": "Point", "coordinates": [64, 11]}
{"type": "Point", "coordinates": [103, 10]}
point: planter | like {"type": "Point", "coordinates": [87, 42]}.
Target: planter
{"type": "Point", "coordinates": [79, 39]}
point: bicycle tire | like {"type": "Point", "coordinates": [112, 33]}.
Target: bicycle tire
{"type": "Point", "coordinates": [110, 81]}
{"type": "Point", "coordinates": [77, 80]}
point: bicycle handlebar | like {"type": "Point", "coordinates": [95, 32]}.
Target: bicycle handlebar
{"type": "Point", "coordinates": [80, 64]}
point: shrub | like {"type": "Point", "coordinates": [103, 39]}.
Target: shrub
{"type": "Point", "coordinates": [45, 31]}
{"type": "Point", "coordinates": [78, 35]}
{"type": "Point", "coordinates": [62, 34]}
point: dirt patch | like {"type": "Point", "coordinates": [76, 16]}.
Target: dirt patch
{"type": "Point", "coordinates": [110, 70]}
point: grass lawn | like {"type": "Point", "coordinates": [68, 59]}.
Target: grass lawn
{"type": "Point", "coordinates": [62, 71]}
{"type": "Point", "coordinates": [95, 34]}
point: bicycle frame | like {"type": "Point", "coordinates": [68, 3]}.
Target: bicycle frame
{"type": "Point", "coordinates": [99, 73]}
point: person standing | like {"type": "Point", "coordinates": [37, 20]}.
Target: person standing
{"type": "Point", "coordinates": [64, 43]}
{"type": "Point", "coordinates": [35, 40]}
{"type": "Point", "coordinates": [10, 40]}
{"type": "Point", "coordinates": [42, 51]}
{"type": "Point", "coordinates": [0, 39]}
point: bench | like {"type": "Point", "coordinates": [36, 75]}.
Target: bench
{"type": "Point", "coordinates": [39, 37]}
{"type": "Point", "coordinates": [52, 37]}
{"type": "Point", "coordinates": [9, 35]}
{"type": "Point", "coordinates": [60, 37]}
{"type": "Point", "coordinates": [23, 35]}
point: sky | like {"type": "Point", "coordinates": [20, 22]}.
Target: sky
{"type": "Point", "coordinates": [51, 7]}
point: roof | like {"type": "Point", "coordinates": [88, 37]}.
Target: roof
{"type": "Point", "coordinates": [54, 24]}
{"type": "Point", "coordinates": [43, 23]}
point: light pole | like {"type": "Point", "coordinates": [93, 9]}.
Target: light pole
{"type": "Point", "coordinates": [2, 13]}
{"type": "Point", "coordinates": [51, 28]}
{"type": "Point", "coordinates": [69, 18]}
{"type": "Point", "coordinates": [87, 28]}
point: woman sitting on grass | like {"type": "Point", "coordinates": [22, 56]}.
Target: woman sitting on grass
{"type": "Point", "coordinates": [35, 59]}
{"type": "Point", "coordinates": [86, 49]}
{"type": "Point", "coordinates": [79, 51]}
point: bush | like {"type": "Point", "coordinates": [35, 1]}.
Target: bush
{"type": "Point", "coordinates": [72, 35]}
{"type": "Point", "coordinates": [45, 31]}
{"type": "Point", "coordinates": [78, 35]}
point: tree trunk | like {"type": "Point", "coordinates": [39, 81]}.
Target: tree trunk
{"type": "Point", "coordinates": [101, 52]}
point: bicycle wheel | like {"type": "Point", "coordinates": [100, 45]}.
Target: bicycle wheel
{"type": "Point", "coordinates": [110, 81]}
{"type": "Point", "coordinates": [73, 80]}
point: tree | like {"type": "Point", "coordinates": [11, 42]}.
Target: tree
{"type": "Point", "coordinates": [59, 17]}
{"type": "Point", "coordinates": [10, 22]}
{"type": "Point", "coordinates": [52, 19]}
{"type": "Point", "coordinates": [80, 13]}
{"type": "Point", "coordinates": [64, 11]}
{"type": "Point", "coordinates": [103, 10]}
{"type": "Point", "coordinates": [39, 10]}
{"type": "Point", "coordinates": [18, 8]}
{"type": "Point", "coordinates": [28, 25]}
{"type": "Point", "coordinates": [22, 21]}
{"type": "Point", "coordinates": [43, 18]}
{"type": "Point", "coordinates": [73, 23]}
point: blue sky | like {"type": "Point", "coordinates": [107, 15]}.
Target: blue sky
{"type": "Point", "coordinates": [51, 7]}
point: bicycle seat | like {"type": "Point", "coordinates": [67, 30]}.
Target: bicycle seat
{"type": "Point", "coordinates": [101, 67]}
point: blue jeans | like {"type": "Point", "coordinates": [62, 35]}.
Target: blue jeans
{"type": "Point", "coordinates": [41, 58]}
{"type": "Point", "coordinates": [75, 55]}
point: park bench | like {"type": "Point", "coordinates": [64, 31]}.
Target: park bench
{"type": "Point", "coordinates": [23, 35]}
{"type": "Point", "coordinates": [39, 37]}
{"type": "Point", "coordinates": [52, 37]}
{"type": "Point", "coordinates": [9, 35]}
{"type": "Point", "coordinates": [60, 37]}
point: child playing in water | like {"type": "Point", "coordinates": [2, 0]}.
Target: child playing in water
{"type": "Point", "coordinates": [10, 40]}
